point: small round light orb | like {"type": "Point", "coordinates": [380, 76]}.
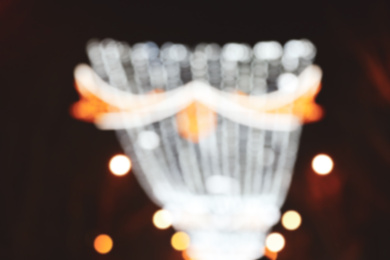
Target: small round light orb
{"type": "Point", "coordinates": [291, 220]}
{"type": "Point", "coordinates": [322, 164]}
{"type": "Point", "coordinates": [236, 52]}
{"type": "Point", "coordinates": [270, 50]}
{"type": "Point", "coordinates": [148, 140]}
{"type": "Point", "coordinates": [103, 244]}
{"type": "Point", "coordinates": [120, 165]}
{"type": "Point", "coordinates": [180, 241]}
{"type": "Point", "coordinates": [287, 82]}
{"type": "Point", "coordinates": [275, 242]}
{"type": "Point", "coordinates": [162, 219]}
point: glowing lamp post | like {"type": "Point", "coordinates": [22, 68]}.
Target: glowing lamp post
{"type": "Point", "coordinates": [212, 132]}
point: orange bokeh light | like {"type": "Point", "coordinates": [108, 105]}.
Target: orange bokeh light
{"type": "Point", "coordinates": [180, 241]}
{"type": "Point", "coordinates": [120, 165]}
{"type": "Point", "coordinates": [322, 164]}
{"type": "Point", "coordinates": [103, 244]}
{"type": "Point", "coordinates": [275, 242]}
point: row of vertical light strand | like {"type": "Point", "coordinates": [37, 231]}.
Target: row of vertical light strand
{"type": "Point", "coordinates": [110, 59]}
{"type": "Point", "coordinates": [120, 165]}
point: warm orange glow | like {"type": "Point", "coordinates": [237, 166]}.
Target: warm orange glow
{"type": "Point", "coordinates": [270, 255]}
{"type": "Point", "coordinates": [90, 107]}
{"type": "Point", "coordinates": [303, 107]}
{"type": "Point", "coordinates": [306, 108]}
{"type": "Point", "coordinates": [185, 255]}
{"type": "Point", "coordinates": [162, 219]}
{"type": "Point", "coordinates": [322, 164]}
{"type": "Point", "coordinates": [275, 242]}
{"type": "Point", "coordinates": [120, 165]}
{"type": "Point", "coordinates": [196, 121]}
{"type": "Point", "coordinates": [103, 244]}
{"type": "Point", "coordinates": [180, 241]}
{"type": "Point", "coordinates": [291, 220]}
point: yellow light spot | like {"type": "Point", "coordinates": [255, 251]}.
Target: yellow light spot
{"type": "Point", "coordinates": [274, 242]}
{"type": "Point", "coordinates": [180, 241]}
{"type": "Point", "coordinates": [162, 219]}
{"type": "Point", "coordinates": [291, 220]}
{"type": "Point", "coordinates": [322, 164]}
{"type": "Point", "coordinates": [103, 244]}
{"type": "Point", "coordinates": [120, 165]}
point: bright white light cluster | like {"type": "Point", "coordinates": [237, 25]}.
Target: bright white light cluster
{"type": "Point", "coordinates": [224, 189]}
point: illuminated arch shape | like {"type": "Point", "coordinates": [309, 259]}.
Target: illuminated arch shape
{"type": "Point", "coordinates": [119, 109]}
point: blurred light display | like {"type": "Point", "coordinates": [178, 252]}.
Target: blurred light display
{"type": "Point", "coordinates": [162, 219]}
{"type": "Point", "coordinates": [291, 220]}
{"type": "Point", "coordinates": [180, 241]}
{"type": "Point", "coordinates": [212, 131]}
{"type": "Point", "coordinates": [120, 165]}
{"type": "Point", "coordinates": [103, 244]}
{"type": "Point", "coordinates": [275, 242]}
{"type": "Point", "coordinates": [322, 164]}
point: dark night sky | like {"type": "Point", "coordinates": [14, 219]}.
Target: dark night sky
{"type": "Point", "coordinates": [56, 192]}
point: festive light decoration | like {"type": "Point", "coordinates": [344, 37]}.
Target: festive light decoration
{"type": "Point", "coordinates": [180, 241]}
{"type": "Point", "coordinates": [212, 132]}
{"type": "Point", "coordinates": [275, 242]}
{"type": "Point", "coordinates": [162, 219]}
{"type": "Point", "coordinates": [291, 220]}
{"type": "Point", "coordinates": [322, 164]}
{"type": "Point", "coordinates": [103, 244]}
{"type": "Point", "coordinates": [120, 165]}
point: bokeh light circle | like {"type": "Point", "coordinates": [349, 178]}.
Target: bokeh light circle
{"type": "Point", "coordinates": [120, 165]}
{"type": "Point", "coordinates": [275, 242]}
{"type": "Point", "coordinates": [162, 219]}
{"type": "Point", "coordinates": [180, 241]}
{"type": "Point", "coordinates": [103, 244]}
{"type": "Point", "coordinates": [291, 220]}
{"type": "Point", "coordinates": [322, 164]}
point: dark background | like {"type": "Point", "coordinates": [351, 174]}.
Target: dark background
{"type": "Point", "coordinates": [56, 191]}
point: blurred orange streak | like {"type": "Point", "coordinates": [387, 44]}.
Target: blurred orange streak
{"type": "Point", "coordinates": [89, 107]}
{"type": "Point", "coordinates": [304, 107]}
{"type": "Point", "coordinates": [196, 121]}
{"type": "Point", "coordinates": [269, 254]}
{"type": "Point", "coordinates": [185, 255]}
